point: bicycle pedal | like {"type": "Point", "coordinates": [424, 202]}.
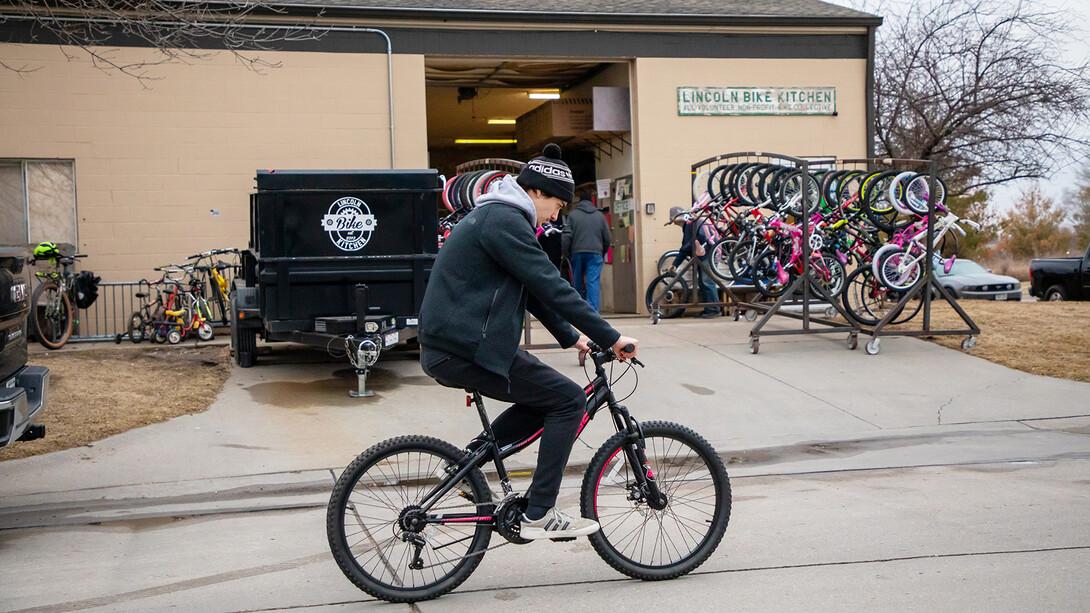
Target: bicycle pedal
{"type": "Point", "coordinates": [563, 539]}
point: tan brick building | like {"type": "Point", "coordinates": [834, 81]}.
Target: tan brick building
{"type": "Point", "coordinates": [141, 173]}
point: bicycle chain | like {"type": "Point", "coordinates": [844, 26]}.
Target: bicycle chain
{"type": "Point", "coordinates": [468, 555]}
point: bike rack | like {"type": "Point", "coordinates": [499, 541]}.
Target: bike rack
{"type": "Point", "coordinates": [804, 282]}
{"type": "Point", "coordinates": [926, 281]}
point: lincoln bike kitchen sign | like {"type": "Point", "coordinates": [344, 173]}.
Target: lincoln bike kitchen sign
{"type": "Point", "coordinates": [756, 101]}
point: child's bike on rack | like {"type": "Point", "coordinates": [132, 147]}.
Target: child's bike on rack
{"type": "Point", "coordinates": [411, 517]}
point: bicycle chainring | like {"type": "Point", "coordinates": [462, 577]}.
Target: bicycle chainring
{"type": "Point", "coordinates": [508, 518]}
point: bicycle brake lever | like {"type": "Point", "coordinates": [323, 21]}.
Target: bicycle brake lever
{"type": "Point", "coordinates": [636, 362]}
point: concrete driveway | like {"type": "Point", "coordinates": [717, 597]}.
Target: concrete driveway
{"type": "Point", "coordinates": [917, 479]}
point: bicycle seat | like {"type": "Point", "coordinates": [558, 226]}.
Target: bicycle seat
{"type": "Point", "coordinates": [140, 295]}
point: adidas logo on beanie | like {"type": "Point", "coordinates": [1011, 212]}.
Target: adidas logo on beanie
{"type": "Point", "coordinates": [550, 174]}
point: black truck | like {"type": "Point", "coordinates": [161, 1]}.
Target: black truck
{"type": "Point", "coordinates": [1061, 278]}
{"type": "Point", "coordinates": [22, 388]}
{"type": "Point", "coordinates": [337, 260]}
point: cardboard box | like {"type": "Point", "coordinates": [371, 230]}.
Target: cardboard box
{"type": "Point", "coordinates": [554, 120]}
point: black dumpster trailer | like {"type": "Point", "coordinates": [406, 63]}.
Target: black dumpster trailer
{"type": "Point", "coordinates": [337, 259]}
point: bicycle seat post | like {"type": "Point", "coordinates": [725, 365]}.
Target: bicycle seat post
{"type": "Point", "coordinates": [473, 396]}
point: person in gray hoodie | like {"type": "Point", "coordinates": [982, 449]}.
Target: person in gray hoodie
{"type": "Point", "coordinates": [585, 241]}
{"type": "Point", "coordinates": [491, 270]}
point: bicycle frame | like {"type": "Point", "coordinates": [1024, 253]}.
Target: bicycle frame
{"type": "Point", "coordinates": [599, 394]}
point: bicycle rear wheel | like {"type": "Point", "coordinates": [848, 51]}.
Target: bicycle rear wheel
{"type": "Point", "coordinates": [51, 315]}
{"type": "Point", "coordinates": [676, 293]}
{"type": "Point", "coordinates": [649, 544]}
{"type": "Point", "coordinates": [372, 508]}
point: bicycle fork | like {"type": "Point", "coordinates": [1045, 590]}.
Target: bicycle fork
{"type": "Point", "coordinates": [647, 487]}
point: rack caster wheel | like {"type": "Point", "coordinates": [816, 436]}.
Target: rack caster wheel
{"type": "Point", "coordinates": [751, 316]}
{"type": "Point", "coordinates": [654, 318]}
{"type": "Point", "coordinates": [853, 341]}
{"type": "Point", "coordinates": [968, 343]}
{"type": "Point", "coordinates": [830, 312]}
{"type": "Point", "coordinates": [737, 314]}
{"type": "Point", "coordinates": [754, 345]}
{"type": "Point", "coordinates": [873, 347]}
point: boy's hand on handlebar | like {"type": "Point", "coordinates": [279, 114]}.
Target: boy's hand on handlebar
{"type": "Point", "coordinates": [583, 344]}
{"type": "Point", "coordinates": [626, 347]}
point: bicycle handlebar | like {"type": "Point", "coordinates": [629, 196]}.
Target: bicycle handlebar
{"type": "Point", "coordinates": [211, 252]}
{"type": "Point", "coordinates": [607, 355]}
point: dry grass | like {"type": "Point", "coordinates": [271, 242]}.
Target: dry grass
{"type": "Point", "coordinates": [1041, 338]}
{"type": "Point", "coordinates": [96, 393]}
{"type": "Point", "coordinates": [1006, 265]}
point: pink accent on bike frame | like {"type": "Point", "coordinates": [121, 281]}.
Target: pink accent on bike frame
{"type": "Point", "coordinates": [465, 519]}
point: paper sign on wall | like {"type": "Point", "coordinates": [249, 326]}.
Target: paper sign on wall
{"type": "Point", "coordinates": [603, 188]}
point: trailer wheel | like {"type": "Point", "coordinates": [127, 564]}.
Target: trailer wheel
{"type": "Point", "coordinates": [243, 340]}
{"type": "Point", "coordinates": [246, 349]}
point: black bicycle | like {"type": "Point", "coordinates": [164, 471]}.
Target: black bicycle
{"type": "Point", "coordinates": [411, 518]}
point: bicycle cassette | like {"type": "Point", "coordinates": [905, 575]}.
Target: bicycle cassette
{"type": "Point", "coordinates": [509, 518]}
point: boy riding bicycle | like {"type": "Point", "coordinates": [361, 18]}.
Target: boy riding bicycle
{"type": "Point", "coordinates": [490, 271]}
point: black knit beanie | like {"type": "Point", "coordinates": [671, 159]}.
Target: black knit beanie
{"type": "Point", "coordinates": [550, 174]}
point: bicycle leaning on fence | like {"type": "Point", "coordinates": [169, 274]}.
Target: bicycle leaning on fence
{"type": "Point", "coordinates": [411, 517]}
{"type": "Point", "coordinates": [54, 313]}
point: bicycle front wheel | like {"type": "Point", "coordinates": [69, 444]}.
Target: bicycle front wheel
{"type": "Point", "coordinates": [643, 542]}
{"type": "Point", "coordinates": [374, 517]}
{"type": "Point", "coordinates": [52, 315]}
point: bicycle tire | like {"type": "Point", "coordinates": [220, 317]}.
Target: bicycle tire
{"type": "Point", "coordinates": [136, 328]}
{"type": "Point", "coordinates": [835, 283]}
{"type": "Point", "coordinates": [678, 458]}
{"type": "Point", "coordinates": [867, 301]}
{"type": "Point", "coordinates": [899, 270]}
{"type": "Point", "coordinates": [678, 293]}
{"type": "Point", "coordinates": [766, 276]}
{"type": "Point", "coordinates": [666, 260]}
{"type": "Point", "coordinates": [740, 259]}
{"type": "Point", "coordinates": [720, 258]}
{"type": "Point", "coordinates": [375, 480]}
{"type": "Point", "coordinates": [56, 316]}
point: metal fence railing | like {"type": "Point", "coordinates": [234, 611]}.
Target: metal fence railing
{"type": "Point", "coordinates": [109, 315]}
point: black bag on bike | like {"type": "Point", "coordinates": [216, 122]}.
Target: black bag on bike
{"type": "Point", "coordinates": [86, 288]}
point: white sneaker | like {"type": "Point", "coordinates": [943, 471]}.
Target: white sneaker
{"type": "Point", "coordinates": [557, 524]}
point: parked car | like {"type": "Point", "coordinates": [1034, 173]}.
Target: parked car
{"type": "Point", "coordinates": [22, 388]}
{"type": "Point", "coordinates": [1060, 278]}
{"type": "Point", "coordinates": [967, 279]}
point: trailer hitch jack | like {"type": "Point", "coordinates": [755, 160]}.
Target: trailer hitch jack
{"type": "Point", "coordinates": [363, 357]}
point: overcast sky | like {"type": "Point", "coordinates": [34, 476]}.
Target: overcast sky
{"type": "Point", "coordinates": [1078, 52]}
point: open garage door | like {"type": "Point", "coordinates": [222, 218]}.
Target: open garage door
{"type": "Point", "coordinates": [482, 108]}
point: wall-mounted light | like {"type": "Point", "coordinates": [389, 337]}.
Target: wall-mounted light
{"type": "Point", "coordinates": [501, 122]}
{"type": "Point", "coordinates": [650, 208]}
{"type": "Point", "coordinates": [545, 94]}
{"type": "Point", "coordinates": [485, 141]}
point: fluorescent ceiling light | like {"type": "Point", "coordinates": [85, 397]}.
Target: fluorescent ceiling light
{"type": "Point", "coordinates": [545, 95]}
{"type": "Point", "coordinates": [485, 141]}
{"type": "Point", "coordinates": [501, 122]}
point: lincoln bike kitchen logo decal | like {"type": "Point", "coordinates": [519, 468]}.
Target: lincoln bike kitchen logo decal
{"type": "Point", "coordinates": [349, 223]}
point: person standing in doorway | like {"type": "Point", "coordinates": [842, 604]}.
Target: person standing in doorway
{"type": "Point", "coordinates": [700, 248]}
{"type": "Point", "coordinates": [585, 241]}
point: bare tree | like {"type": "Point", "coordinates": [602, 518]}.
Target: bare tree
{"type": "Point", "coordinates": [980, 86]}
{"type": "Point", "coordinates": [1078, 206]}
{"type": "Point", "coordinates": [180, 30]}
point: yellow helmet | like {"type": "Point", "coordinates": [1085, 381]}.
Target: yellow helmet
{"type": "Point", "coordinates": [46, 250]}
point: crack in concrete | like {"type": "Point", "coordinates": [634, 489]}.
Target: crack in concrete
{"type": "Point", "coordinates": [972, 391]}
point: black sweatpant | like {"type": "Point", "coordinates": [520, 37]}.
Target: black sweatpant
{"type": "Point", "coordinates": [543, 400]}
